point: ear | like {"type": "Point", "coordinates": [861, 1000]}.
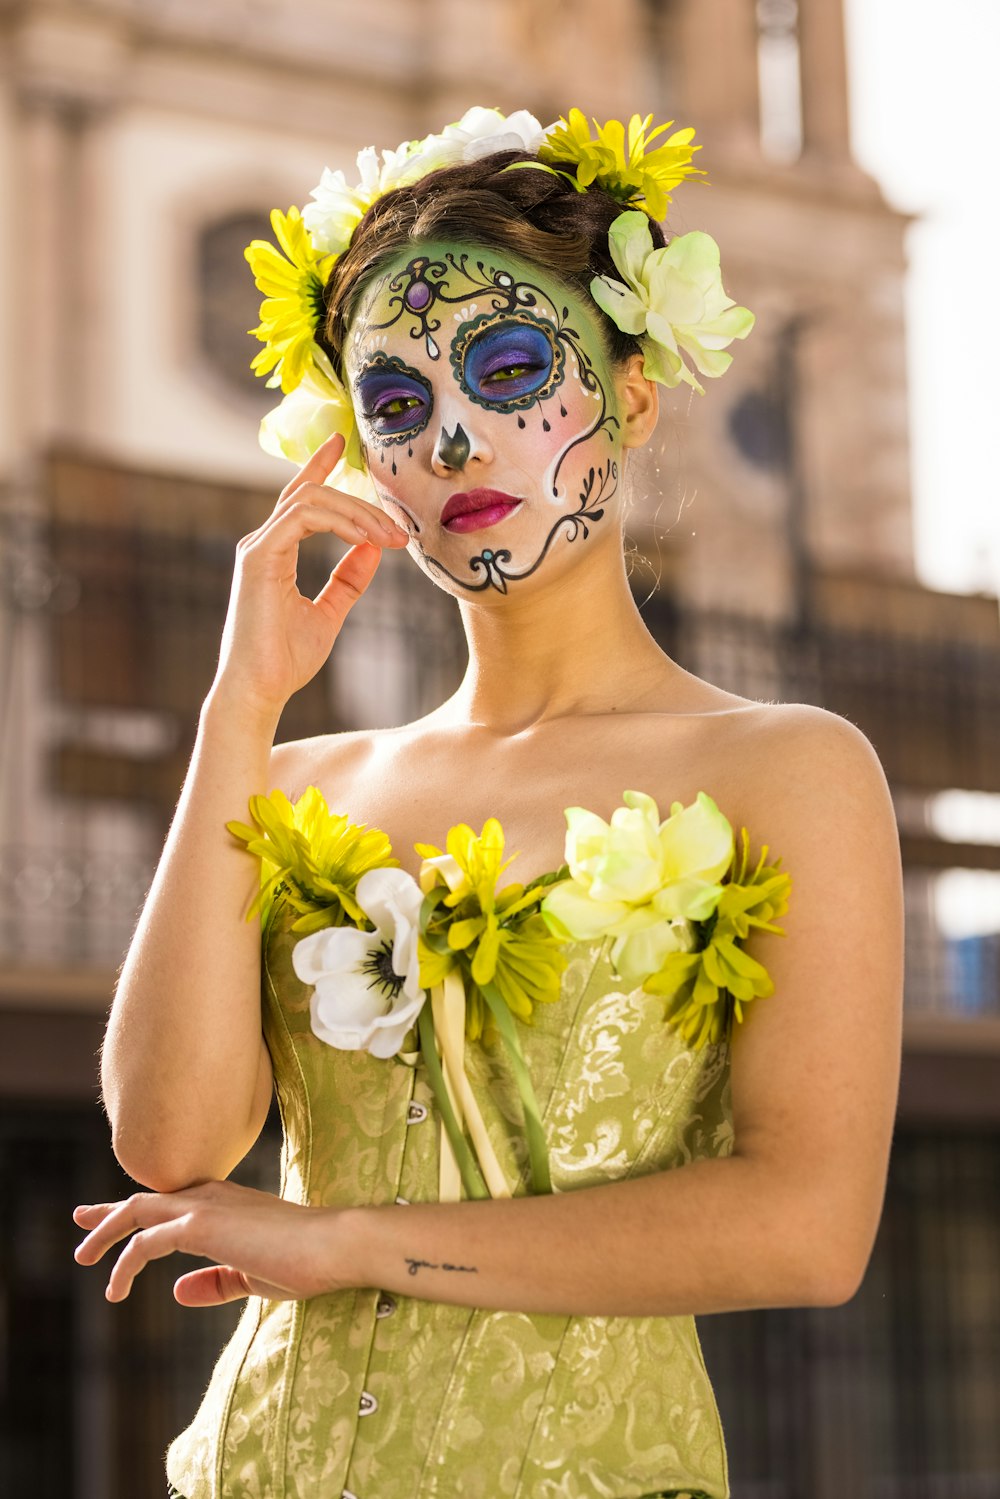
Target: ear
{"type": "Point", "coordinates": [638, 403]}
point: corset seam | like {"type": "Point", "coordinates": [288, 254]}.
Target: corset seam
{"type": "Point", "coordinates": [223, 1429]}
{"type": "Point", "coordinates": [529, 1444]}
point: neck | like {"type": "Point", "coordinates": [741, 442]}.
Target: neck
{"type": "Point", "coordinates": [575, 646]}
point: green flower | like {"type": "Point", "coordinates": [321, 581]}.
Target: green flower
{"type": "Point", "coordinates": [494, 937]}
{"type": "Point", "coordinates": [311, 858]}
{"type": "Point", "coordinates": [673, 299]}
{"type": "Point", "coordinates": [708, 988]}
{"type": "Point", "coordinates": [639, 880]}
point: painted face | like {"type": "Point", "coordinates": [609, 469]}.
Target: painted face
{"type": "Point", "coordinates": [486, 408]}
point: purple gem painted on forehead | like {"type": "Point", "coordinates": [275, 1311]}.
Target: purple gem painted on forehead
{"type": "Point", "coordinates": [418, 294]}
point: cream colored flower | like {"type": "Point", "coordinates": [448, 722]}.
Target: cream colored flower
{"type": "Point", "coordinates": [317, 408]}
{"type": "Point", "coordinates": [640, 880]}
{"type": "Point", "coordinates": [673, 299]}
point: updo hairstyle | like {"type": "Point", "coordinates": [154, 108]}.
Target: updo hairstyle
{"type": "Point", "coordinates": [528, 212]}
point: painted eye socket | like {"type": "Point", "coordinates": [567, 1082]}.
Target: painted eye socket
{"type": "Point", "coordinates": [394, 401]}
{"type": "Point", "coordinates": [507, 363]}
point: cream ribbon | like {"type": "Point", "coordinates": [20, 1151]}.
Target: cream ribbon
{"type": "Point", "coordinates": [448, 1010]}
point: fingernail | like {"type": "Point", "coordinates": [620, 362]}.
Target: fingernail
{"type": "Point", "coordinates": [361, 531]}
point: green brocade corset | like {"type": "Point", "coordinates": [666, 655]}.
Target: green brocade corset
{"type": "Point", "coordinates": [370, 1396]}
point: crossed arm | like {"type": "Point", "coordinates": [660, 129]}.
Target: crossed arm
{"type": "Point", "coordinates": [788, 1219]}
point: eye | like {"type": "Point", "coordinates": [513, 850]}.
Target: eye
{"type": "Point", "coordinates": [393, 399]}
{"type": "Point", "coordinates": [507, 363]}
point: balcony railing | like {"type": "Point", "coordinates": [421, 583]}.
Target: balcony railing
{"type": "Point", "coordinates": [108, 644]}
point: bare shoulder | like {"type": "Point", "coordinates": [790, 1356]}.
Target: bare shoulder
{"type": "Point", "coordinates": [299, 763]}
{"type": "Point", "coordinates": [794, 758]}
{"type": "Point", "coordinates": [813, 789]}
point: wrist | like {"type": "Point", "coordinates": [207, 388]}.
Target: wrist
{"type": "Point", "coordinates": [351, 1248]}
{"type": "Point", "coordinates": [227, 706]}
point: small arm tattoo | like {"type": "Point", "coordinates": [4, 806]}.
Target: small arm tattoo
{"type": "Point", "coordinates": [415, 1265]}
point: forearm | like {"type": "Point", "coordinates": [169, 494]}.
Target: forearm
{"type": "Point", "coordinates": [714, 1236]}
{"type": "Point", "coordinates": [182, 1052]}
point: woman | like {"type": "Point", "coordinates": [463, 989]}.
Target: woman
{"type": "Point", "coordinates": [500, 308]}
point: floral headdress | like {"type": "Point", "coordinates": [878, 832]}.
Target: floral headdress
{"type": "Point", "coordinates": [670, 298]}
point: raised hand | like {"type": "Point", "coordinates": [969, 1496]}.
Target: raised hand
{"type": "Point", "coordinates": [261, 1245]}
{"type": "Point", "coordinates": [275, 639]}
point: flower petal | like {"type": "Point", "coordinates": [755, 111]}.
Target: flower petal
{"type": "Point", "coordinates": [345, 1004]}
{"type": "Point", "coordinates": [696, 841]}
{"type": "Point", "coordinates": [335, 950]}
{"type": "Point", "coordinates": [583, 917]}
{"type": "Point", "coordinates": [389, 896]}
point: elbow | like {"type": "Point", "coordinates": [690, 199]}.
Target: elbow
{"type": "Point", "coordinates": [840, 1284]}
{"type": "Point", "coordinates": [158, 1171]}
{"type": "Point", "coordinates": [838, 1263]}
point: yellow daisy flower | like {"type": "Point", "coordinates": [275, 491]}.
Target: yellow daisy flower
{"type": "Point", "coordinates": [292, 279]}
{"type": "Point", "coordinates": [310, 857]}
{"type": "Point", "coordinates": [493, 936]}
{"type": "Point", "coordinates": [622, 161]}
{"type": "Point", "coordinates": [705, 990]}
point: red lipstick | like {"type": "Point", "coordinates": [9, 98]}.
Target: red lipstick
{"type": "Point", "coordinates": [476, 509]}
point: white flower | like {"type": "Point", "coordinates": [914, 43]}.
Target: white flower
{"type": "Point", "coordinates": [673, 299]}
{"type": "Point", "coordinates": [338, 209]}
{"type": "Point", "coordinates": [478, 133]}
{"type": "Point", "coordinates": [367, 990]}
{"type": "Point", "coordinates": [481, 131]}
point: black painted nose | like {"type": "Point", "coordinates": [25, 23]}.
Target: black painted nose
{"type": "Point", "coordinates": [453, 449]}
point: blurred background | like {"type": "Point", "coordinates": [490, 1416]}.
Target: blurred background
{"type": "Point", "coordinates": [820, 527]}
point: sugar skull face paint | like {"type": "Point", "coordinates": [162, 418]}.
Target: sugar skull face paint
{"type": "Point", "coordinates": [486, 407]}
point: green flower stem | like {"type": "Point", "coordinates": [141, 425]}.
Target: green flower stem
{"type": "Point", "coordinates": [472, 1179]}
{"type": "Point", "coordinates": [541, 1180]}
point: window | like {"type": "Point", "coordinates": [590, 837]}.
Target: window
{"type": "Point", "coordinates": [228, 303]}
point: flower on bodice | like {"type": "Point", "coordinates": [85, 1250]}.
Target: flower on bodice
{"type": "Point", "coordinates": [639, 880]}
{"type": "Point", "coordinates": [367, 991]}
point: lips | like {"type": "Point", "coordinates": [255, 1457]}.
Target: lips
{"type": "Point", "coordinates": [475, 509]}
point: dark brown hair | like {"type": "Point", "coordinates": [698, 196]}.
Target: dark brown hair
{"type": "Point", "coordinates": [529, 212]}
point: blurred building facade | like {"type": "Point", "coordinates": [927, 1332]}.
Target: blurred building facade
{"type": "Point", "coordinates": [142, 143]}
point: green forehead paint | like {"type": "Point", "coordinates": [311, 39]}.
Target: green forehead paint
{"type": "Point", "coordinates": [427, 283]}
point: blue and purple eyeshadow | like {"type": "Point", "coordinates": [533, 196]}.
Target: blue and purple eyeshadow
{"type": "Point", "coordinates": [504, 364]}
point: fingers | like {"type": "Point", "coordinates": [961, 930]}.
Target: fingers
{"type": "Point", "coordinates": [110, 1222]}
{"type": "Point", "coordinates": [313, 510]}
{"type": "Point", "coordinates": [211, 1286]}
{"type": "Point", "coordinates": [348, 582]}
{"type": "Point", "coordinates": [146, 1245]}
{"type": "Point", "coordinates": [308, 485]}
{"type": "Point", "coordinates": [316, 468]}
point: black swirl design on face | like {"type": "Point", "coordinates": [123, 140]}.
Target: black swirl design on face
{"type": "Point", "coordinates": [395, 401]}
{"type": "Point", "coordinates": [508, 362]}
{"type": "Point", "coordinates": [490, 568]}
